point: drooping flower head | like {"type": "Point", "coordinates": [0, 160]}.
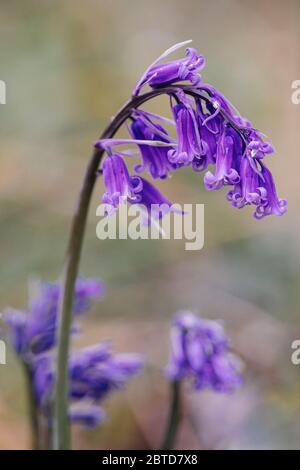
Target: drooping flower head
{"type": "Point", "coordinates": [199, 351]}
{"type": "Point", "coordinates": [34, 330]}
{"type": "Point", "coordinates": [211, 136]}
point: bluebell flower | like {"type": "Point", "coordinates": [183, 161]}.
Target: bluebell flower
{"type": "Point", "coordinates": [97, 379]}
{"type": "Point", "coordinates": [218, 103]}
{"type": "Point", "coordinates": [119, 185]}
{"type": "Point", "coordinates": [154, 159]}
{"type": "Point", "coordinates": [188, 136]}
{"type": "Point", "coordinates": [34, 330]}
{"type": "Point", "coordinates": [187, 68]}
{"type": "Point", "coordinates": [87, 415]}
{"type": "Point", "coordinates": [270, 204]}
{"type": "Point", "coordinates": [152, 201]}
{"type": "Point", "coordinates": [211, 136]}
{"type": "Point", "coordinates": [256, 187]}
{"type": "Point", "coordinates": [208, 145]}
{"type": "Point", "coordinates": [199, 351]}
{"type": "Point", "coordinates": [94, 373]}
{"type": "Point", "coordinates": [227, 163]}
{"type": "Point", "coordinates": [249, 189]}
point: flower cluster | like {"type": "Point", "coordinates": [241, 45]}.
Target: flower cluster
{"type": "Point", "coordinates": [94, 371]}
{"type": "Point", "coordinates": [199, 350]}
{"type": "Point", "coordinates": [209, 133]}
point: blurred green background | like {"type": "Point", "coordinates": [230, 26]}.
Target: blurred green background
{"type": "Point", "coordinates": [69, 65]}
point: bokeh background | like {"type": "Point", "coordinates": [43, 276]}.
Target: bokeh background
{"type": "Point", "coordinates": [69, 65]}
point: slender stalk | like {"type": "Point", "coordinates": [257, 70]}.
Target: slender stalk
{"type": "Point", "coordinates": [173, 420]}
{"type": "Point", "coordinates": [61, 431]}
{"type": "Point", "coordinates": [32, 409]}
{"type": "Point", "coordinates": [47, 427]}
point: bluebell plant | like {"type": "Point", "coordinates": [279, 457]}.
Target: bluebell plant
{"type": "Point", "coordinates": [208, 136]}
{"type": "Point", "coordinates": [211, 137]}
{"type": "Point", "coordinates": [200, 355]}
{"type": "Point", "coordinates": [94, 372]}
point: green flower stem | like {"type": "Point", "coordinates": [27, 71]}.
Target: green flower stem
{"type": "Point", "coordinates": [61, 431]}
{"type": "Point", "coordinates": [32, 409]}
{"type": "Point", "coordinates": [173, 420]}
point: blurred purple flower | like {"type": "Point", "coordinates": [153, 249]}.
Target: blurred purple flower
{"type": "Point", "coordinates": [199, 350]}
{"type": "Point", "coordinates": [15, 322]}
{"type": "Point", "coordinates": [94, 373]}
{"type": "Point", "coordinates": [94, 379]}
{"type": "Point", "coordinates": [87, 415]}
{"type": "Point", "coordinates": [34, 331]}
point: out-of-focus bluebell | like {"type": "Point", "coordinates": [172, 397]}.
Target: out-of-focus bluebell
{"type": "Point", "coordinates": [199, 351]}
{"type": "Point", "coordinates": [94, 372]}
{"type": "Point", "coordinates": [34, 331]}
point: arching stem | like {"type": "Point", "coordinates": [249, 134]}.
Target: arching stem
{"type": "Point", "coordinates": [32, 408]}
{"type": "Point", "coordinates": [61, 431]}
